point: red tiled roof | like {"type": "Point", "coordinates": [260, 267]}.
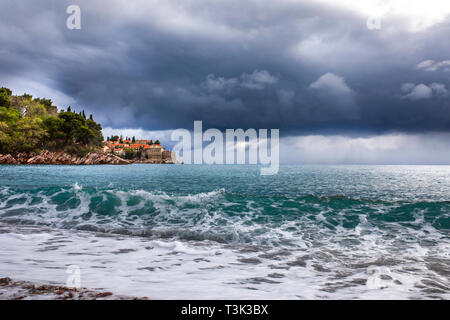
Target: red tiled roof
{"type": "Point", "coordinates": [137, 145]}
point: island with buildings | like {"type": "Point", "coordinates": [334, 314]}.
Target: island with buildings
{"type": "Point", "coordinates": [138, 151]}
{"type": "Point", "coordinates": [34, 131]}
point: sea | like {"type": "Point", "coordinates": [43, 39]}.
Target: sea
{"type": "Point", "coordinates": [227, 232]}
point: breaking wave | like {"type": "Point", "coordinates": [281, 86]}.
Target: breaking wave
{"type": "Point", "coordinates": [217, 215]}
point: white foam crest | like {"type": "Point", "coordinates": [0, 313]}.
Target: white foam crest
{"type": "Point", "coordinates": [197, 270]}
{"type": "Point", "coordinates": [5, 191]}
{"type": "Point", "coordinates": [76, 186]}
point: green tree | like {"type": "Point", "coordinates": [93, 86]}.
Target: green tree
{"type": "Point", "coordinates": [129, 154]}
{"type": "Point", "coordinates": [29, 134]}
{"type": "Point", "coordinates": [28, 124]}
{"type": "Point", "coordinates": [57, 137]}
{"type": "Point", "coordinates": [5, 138]}
{"type": "Point", "coordinates": [96, 128]}
{"type": "Point", "coordinates": [27, 96]}
{"type": "Point", "coordinates": [6, 90]}
{"type": "Point", "coordinates": [46, 102]}
{"type": "Point", "coordinates": [36, 110]}
{"type": "Point", "coordinates": [5, 99]}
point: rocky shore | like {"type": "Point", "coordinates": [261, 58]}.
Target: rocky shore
{"type": "Point", "coordinates": [48, 157]}
{"type": "Point", "coordinates": [24, 290]}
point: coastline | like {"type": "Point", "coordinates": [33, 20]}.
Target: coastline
{"type": "Point", "coordinates": [61, 158]}
{"type": "Point", "coordinates": [25, 290]}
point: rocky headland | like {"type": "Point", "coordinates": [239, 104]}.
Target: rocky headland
{"type": "Point", "coordinates": [49, 157]}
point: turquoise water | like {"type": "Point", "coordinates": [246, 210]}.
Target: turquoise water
{"type": "Point", "coordinates": [346, 229]}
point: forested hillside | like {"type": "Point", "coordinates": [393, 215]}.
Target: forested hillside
{"type": "Point", "coordinates": [32, 125]}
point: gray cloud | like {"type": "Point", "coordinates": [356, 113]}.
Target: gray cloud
{"type": "Point", "coordinates": [258, 80]}
{"type": "Point", "coordinates": [431, 65]}
{"type": "Point", "coordinates": [429, 148]}
{"type": "Point", "coordinates": [331, 83]}
{"type": "Point", "coordinates": [422, 91]}
{"type": "Point", "coordinates": [158, 65]}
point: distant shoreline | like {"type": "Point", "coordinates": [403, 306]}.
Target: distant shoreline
{"type": "Point", "coordinates": [62, 158]}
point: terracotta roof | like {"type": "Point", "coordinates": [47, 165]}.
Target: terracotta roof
{"type": "Point", "coordinates": [137, 145]}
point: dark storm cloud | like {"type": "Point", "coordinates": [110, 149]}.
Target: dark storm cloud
{"type": "Point", "coordinates": [301, 67]}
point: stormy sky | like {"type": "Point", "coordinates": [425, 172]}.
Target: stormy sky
{"type": "Point", "coordinates": [324, 72]}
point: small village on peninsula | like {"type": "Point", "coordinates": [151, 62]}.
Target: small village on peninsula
{"type": "Point", "coordinates": [144, 151]}
{"type": "Point", "coordinates": [34, 131]}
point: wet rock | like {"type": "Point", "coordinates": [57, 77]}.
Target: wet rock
{"type": "Point", "coordinates": [7, 159]}
{"type": "Point", "coordinates": [5, 281]}
{"type": "Point", "coordinates": [18, 290]}
{"type": "Point", "coordinates": [103, 294]}
{"type": "Point", "coordinates": [48, 157]}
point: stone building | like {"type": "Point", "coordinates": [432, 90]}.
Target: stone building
{"type": "Point", "coordinates": [155, 153]}
{"type": "Point", "coordinates": [167, 156]}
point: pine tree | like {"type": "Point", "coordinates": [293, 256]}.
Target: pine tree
{"type": "Point", "coordinates": [91, 117]}
{"type": "Point", "coordinates": [83, 114]}
{"type": "Point", "coordinates": [134, 139]}
{"type": "Point", "coordinates": [69, 109]}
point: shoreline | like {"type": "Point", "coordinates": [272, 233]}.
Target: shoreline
{"type": "Point", "coordinates": [55, 157]}
{"type": "Point", "coordinates": [61, 158]}
{"type": "Point", "coordinates": [26, 290]}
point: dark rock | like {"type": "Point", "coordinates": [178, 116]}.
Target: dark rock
{"type": "Point", "coordinates": [47, 157]}
{"type": "Point", "coordinates": [103, 294]}
{"type": "Point", "coordinates": [5, 281]}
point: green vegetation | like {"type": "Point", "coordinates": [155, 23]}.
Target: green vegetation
{"type": "Point", "coordinates": [28, 124]}
{"type": "Point", "coordinates": [131, 154]}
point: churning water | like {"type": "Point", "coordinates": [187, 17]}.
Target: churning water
{"type": "Point", "coordinates": [221, 232]}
